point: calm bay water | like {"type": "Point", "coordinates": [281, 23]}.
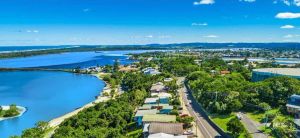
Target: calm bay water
{"type": "Point", "coordinates": [47, 95]}
{"type": "Point", "coordinates": [69, 60]}
{"type": "Point", "coordinates": [26, 48]}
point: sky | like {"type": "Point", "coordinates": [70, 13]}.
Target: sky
{"type": "Point", "coordinates": [117, 22]}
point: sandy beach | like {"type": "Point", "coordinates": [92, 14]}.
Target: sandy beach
{"type": "Point", "coordinates": [101, 98]}
{"type": "Point", "coordinates": [21, 109]}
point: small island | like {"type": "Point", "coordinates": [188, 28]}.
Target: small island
{"type": "Point", "coordinates": [11, 111]}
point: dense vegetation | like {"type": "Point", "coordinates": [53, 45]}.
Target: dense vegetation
{"type": "Point", "coordinates": [226, 93]}
{"type": "Point", "coordinates": [237, 129]}
{"type": "Point", "coordinates": [12, 111]}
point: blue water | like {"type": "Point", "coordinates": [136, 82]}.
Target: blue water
{"type": "Point", "coordinates": [69, 60]}
{"type": "Point", "coordinates": [25, 48]}
{"type": "Point", "coordinates": [47, 95]}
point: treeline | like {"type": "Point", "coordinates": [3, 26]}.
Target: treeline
{"type": "Point", "coordinates": [223, 94]}
{"type": "Point", "coordinates": [232, 92]}
{"type": "Point", "coordinates": [77, 49]}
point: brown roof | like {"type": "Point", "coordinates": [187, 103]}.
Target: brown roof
{"type": "Point", "coordinates": [158, 87]}
{"type": "Point", "coordinates": [168, 128]}
{"type": "Point", "coordinates": [225, 72]}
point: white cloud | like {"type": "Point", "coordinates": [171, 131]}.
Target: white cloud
{"type": "Point", "coordinates": [149, 36]}
{"type": "Point", "coordinates": [211, 36]}
{"type": "Point", "coordinates": [287, 27]}
{"type": "Point", "coordinates": [288, 36]}
{"type": "Point", "coordinates": [287, 15]}
{"type": "Point", "coordinates": [199, 24]}
{"type": "Point", "coordinates": [248, 0]}
{"type": "Point", "coordinates": [164, 36]}
{"type": "Point", "coordinates": [32, 31]}
{"type": "Point", "coordinates": [297, 2]}
{"type": "Point", "coordinates": [201, 2]}
{"type": "Point", "coordinates": [286, 2]}
{"type": "Point", "coordinates": [291, 36]}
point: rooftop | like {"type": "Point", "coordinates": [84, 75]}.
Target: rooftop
{"type": "Point", "coordinates": [151, 100]}
{"type": "Point", "coordinates": [294, 101]}
{"type": "Point", "coordinates": [159, 118]}
{"type": "Point", "coordinates": [168, 128]}
{"type": "Point", "coordinates": [146, 112]}
{"type": "Point", "coordinates": [163, 135]}
{"type": "Point", "coordinates": [158, 87]}
{"type": "Point", "coordinates": [150, 106]}
{"type": "Point", "coordinates": [280, 71]}
{"type": "Point", "coordinates": [162, 95]}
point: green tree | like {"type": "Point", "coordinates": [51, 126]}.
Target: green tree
{"type": "Point", "coordinates": [235, 127]}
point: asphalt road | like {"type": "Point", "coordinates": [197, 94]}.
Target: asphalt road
{"type": "Point", "coordinates": [252, 127]}
{"type": "Point", "coordinates": [206, 129]}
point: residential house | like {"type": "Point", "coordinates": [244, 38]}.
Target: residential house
{"type": "Point", "coordinates": [141, 113]}
{"type": "Point", "coordinates": [164, 130]}
{"type": "Point", "coordinates": [293, 107]}
{"type": "Point", "coordinates": [162, 108]}
{"type": "Point", "coordinates": [151, 100]}
{"type": "Point", "coordinates": [163, 135]}
{"type": "Point", "coordinates": [151, 71]}
{"type": "Point", "coordinates": [158, 88]}
{"type": "Point", "coordinates": [158, 118]}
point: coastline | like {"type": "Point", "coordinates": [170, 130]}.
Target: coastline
{"type": "Point", "coordinates": [22, 111]}
{"type": "Point", "coordinates": [101, 98]}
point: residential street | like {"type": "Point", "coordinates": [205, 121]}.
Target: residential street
{"type": "Point", "coordinates": [252, 127]}
{"type": "Point", "coordinates": [205, 128]}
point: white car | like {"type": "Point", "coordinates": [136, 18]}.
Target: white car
{"type": "Point", "coordinates": [239, 116]}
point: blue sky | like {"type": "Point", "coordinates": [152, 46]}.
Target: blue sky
{"type": "Point", "coordinates": [59, 22]}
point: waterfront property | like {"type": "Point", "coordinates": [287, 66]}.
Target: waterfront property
{"type": "Point", "coordinates": [163, 108]}
{"type": "Point", "coordinates": [265, 73]}
{"type": "Point", "coordinates": [163, 130]}
{"type": "Point", "coordinates": [129, 68]}
{"type": "Point", "coordinates": [151, 100]}
{"type": "Point", "coordinates": [141, 113]}
{"type": "Point", "coordinates": [163, 135]}
{"type": "Point", "coordinates": [161, 118]}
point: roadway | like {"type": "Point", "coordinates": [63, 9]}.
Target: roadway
{"type": "Point", "coordinates": [205, 128]}
{"type": "Point", "coordinates": [252, 126]}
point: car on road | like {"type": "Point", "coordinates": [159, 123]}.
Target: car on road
{"type": "Point", "coordinates": [239, 115]}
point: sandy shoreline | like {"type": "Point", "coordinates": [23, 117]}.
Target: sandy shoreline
{"type": "Point", "coordinates": [101, 98]}
{"type": "Point", "coordinates": [22, 111]}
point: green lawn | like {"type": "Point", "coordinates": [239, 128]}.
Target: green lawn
{"type": "Point", "coordinates": [259, 116]}
{"type": "Point", "coordinates": [221, 120]}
